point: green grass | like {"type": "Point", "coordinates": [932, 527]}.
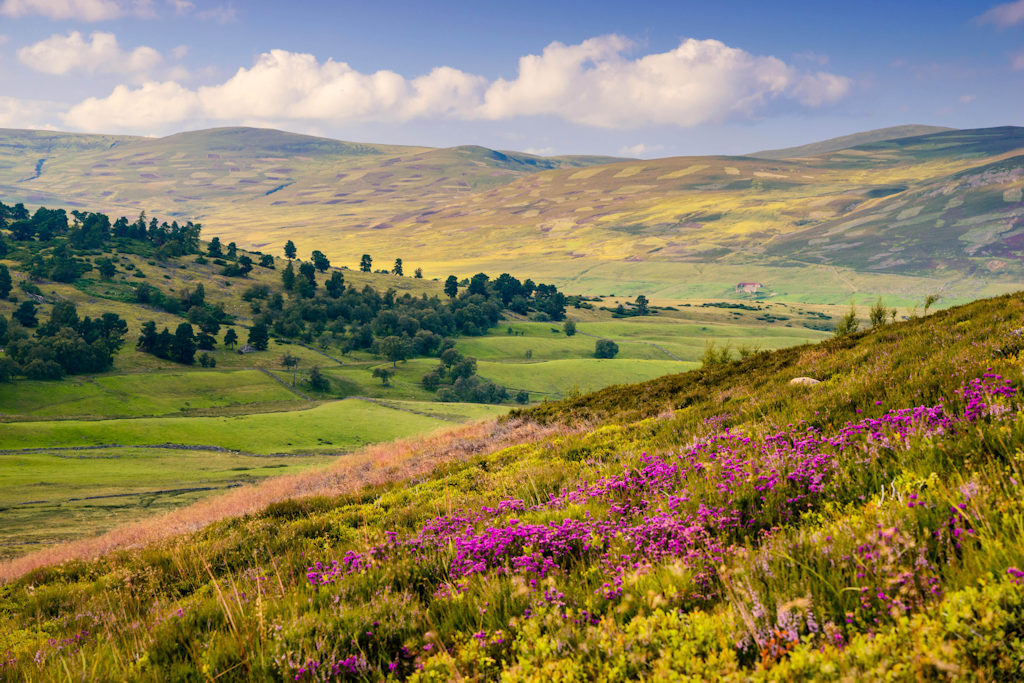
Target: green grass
{"type": "Point", "coordinates": [141, 394]}
{"type": "Point", "coordinates": [556, 378]}
{"type": "Point", "coordinates": [333, 427]}
{"type": "Point", "coordinates": [57, 496]}
{"type": "Point", "coordinates": [716, 524]}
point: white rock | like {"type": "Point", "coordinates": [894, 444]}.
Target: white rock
{"type": "Point", "coordinates": [803, 382]}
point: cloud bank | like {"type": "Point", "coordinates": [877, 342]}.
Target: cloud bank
{"type": "Point", "coordinates": [1005, 15]}
{"type": "Point", "coordinates": [60, 54]}
{"type": "Point", "coordinates": [83, 10]}
{"type": "Point", "coordinates": [595, 83]}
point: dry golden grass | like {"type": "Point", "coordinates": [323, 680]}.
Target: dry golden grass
{"type": "Point", "coordinates": [378, 464]}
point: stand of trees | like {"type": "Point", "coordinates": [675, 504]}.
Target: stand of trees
{"type": "Point", "coordinates": [63, 345]}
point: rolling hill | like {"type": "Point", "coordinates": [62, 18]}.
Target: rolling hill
{"type": "Point", "coordinates": [848, 141]}
{"type": "Point", "coordinates": [904, 216]}
{"type": "Point", "coordinates": [720, 524]}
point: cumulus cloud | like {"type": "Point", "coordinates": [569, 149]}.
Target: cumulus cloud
{"type": "Point", "coordinates": [701, 80]}
{"type": "Point", "coordinates": [1005, 15]}
{"type": "Point", "coordinates": [85, 10]}
{"type": "Point", "coordinates": [60, 54]}
{"type": "Point", "coordinates": [15, 113]}
{"type": "Point", "coordinates": [595, 83]}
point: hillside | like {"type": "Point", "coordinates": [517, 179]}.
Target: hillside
{"type": "Point", "coordinates": [90, 440]}
{"type": "Point", "coordinates": [906, 217]}
{"type": "Point", "coordinates": [722, 523]}
{"type": "Point", "coordinates": [848, 141]}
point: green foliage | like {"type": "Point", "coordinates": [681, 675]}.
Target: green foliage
{"type": "Point", "coordinates": [848, 324]}
{"type": "Point", "coordinates": [931, 521]}
{"type": "Point", "coordinates": [715, 355]}
{"type": "Point", "coordinates": [879, 314]}
{"type": "Point", "coordinates": [605, 348]}
{"type": "Point", "coordinates": [569, 327]}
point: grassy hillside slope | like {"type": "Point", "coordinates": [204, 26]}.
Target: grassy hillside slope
{"type": "Point", "coordinates": [719, 524]}
{"type": "Point", "coordinates": [935, 211]}
{"type": "Point", "coordinates": [848, 141]}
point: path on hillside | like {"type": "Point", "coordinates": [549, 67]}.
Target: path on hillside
{"type": "Point", "coordinates": [387, 404]}
{"type": "Point", "coordinates": [284, 384]}
{"type": "Point", "coordinates": [322, 353]}
{"type": "Point", "coordinates": [635, 341]}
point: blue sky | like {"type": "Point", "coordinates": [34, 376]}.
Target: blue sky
{"type": "Point", "coordinates": [643, 78]}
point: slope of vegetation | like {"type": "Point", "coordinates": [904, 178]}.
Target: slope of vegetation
{"type": "Point", "coordinates": [908, 216]}
{"type": "Point", "coordinates": [723, 523]}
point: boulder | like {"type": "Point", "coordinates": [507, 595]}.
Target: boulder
{"type": "Point", "coordinates": [803, 382]}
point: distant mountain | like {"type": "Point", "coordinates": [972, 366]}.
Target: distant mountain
{"type": "Point", "coordinates": [943, 207]}
{"type": "Point", "coordinates": [848, 141]}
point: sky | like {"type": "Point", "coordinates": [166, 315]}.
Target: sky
{"type": "Point", "coordinates": [643, 79]}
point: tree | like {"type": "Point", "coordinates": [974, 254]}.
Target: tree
{"type": "Point", "coordinates": [5, 282]}
{"type": "Point", "coordinates": [232, 251]}
{"type": "Point", "coordinates": [397, 270]}
{"type": "Point", "coordinates": [384, 374]}
{"type": "Point", "coordinates": [451, 286]}
{"type": "Point", "coordinates": [848, 324]}
{"type": "Point", "coordinates": [288, 277]}
{"type": "Point", "coordinates": [308, 271]}
{"type": "Point", "coordinates": [570, 327]}
{"type": "Point", "coordinates": [290, 362]}
{"type": "Point", "coordinates": [335, 285]}
{"type": "Point", "coordinates": [259, 338]}
{"type": "Point", "coordinates": [523, 397]}
{"type": "Point", "coordinates": [641, 305]}
{"type": "Point", "coordinates": [929, 301]}
{"type": "Point", "coordinates": [366, 263]}
{"type": "Point", "coordinates": [478, 284]}
{"type": "Point", "coordinates": [107, 268]}
{"type": "Point", "coordinates": [289, 250]}
{"type": "Point", "coordinates": [26, 314]}
{"type": "Point", "coordinates": [230, 338]}
{"type": "Point", "coordinates": [207, 361]}
{"type": "Point", "coordinates": [431, 381]}
{"type": "Point", "coordinates": [605, 348]}
{"type": "Point", "coordinates": [147, 337]}
{"type": "Point", "coordinates": [183, 348]}
{"type": "Point", "coordinates": [395, 348]}
{"type": "Point", "coordinates": [267, 261]}
{"type": "Point", "coordinates": [214, 249]}
{"type": "Point", "coordinates": [418, 274]}
{"type": "Point", "coordinates": [317, 380]}
{"type": "Point", "coordinates": [879, 313]}
{"type": "Point", "coordinates": [320, 261]}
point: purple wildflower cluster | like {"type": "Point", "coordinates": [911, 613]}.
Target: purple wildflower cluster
{"type": "Point", "coordinates": [690, 506]}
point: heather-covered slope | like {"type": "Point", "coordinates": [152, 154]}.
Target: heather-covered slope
{"type": "Point", "coordinates": [720, 524]}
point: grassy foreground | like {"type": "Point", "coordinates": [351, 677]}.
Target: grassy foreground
{"type": "Point", "coordinates": [717, 524]}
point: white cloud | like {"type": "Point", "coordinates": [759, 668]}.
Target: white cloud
{"type": "Point", "coordinates": [150, 107]}
{"type": "Point", "coordinates": [1018, 62]}
{"type": "Point", "coordinates": [60, 54]}
{"type": "Point", "coordinates": [15, 113]}
{"type": "Point", "coordinates": [1005, 15]}
{"type": "Point", "coordinates": [85, 10]}
{"type": "Point", "coordinates": [633, 150]}
{"type": "Point", "coordinates": [700, 81]}
{"type": "Point", "coordinates": [967, 99]}
{"type": "Point", "coordinates": [592, 83]}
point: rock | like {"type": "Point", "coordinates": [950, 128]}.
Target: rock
{"type": "Point", "coordinates": [803, 382]}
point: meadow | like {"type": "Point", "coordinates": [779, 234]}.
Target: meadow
{"type": "Point", "coordinates": [935, 213]}
{"type": "Point", "coordinates": [251, 405]}
{"type": "Point", "coordinates": [719, 523]}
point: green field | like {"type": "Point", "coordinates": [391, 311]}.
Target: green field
{"type": "Point", "coordinates": [55, 496]}
{"type": "Point", "coordinates": [141, 394]}
{"type": "Point", "coordinates": [336, 427]}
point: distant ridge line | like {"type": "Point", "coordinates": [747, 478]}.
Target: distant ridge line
{"type": "Point", "coordinates": [848, 141]}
